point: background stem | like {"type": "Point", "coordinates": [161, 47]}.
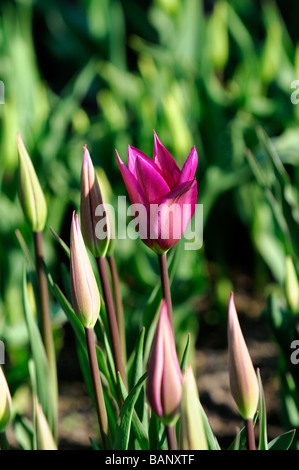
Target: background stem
{"type": "Point", "coordinates": [45, 321]}
{"type": "Point", "coordinates": [111, 318]}
{"type": "Point", "coordinates": [165, 286]}
{"type": "Point", "coordinates": [171, 438]}
{"type": "Point", "coordinates": [97, 387]}
{"type": "Point", "coordinates": [250, 434]}
{"type": "Point", "coordinates": [118, 305]}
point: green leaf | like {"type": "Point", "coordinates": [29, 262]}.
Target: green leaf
{"type": "Point", "coordinates": [23, 431]}
{"type": "Point", "coordinates": [123, 428]}
{"type": "Point", "coordinates": [211, 438]}
{"type": "Point", "coordinates": [282, 442]}
{"type": "Point", "coordinates": [137, 366]}
{"type": "Point", "coordinates": [137, 426]}
{"type": "Point", "coordinates": [137, 369]}
{"type": "Point", "coordinates": [61, 242]}
{"type": "Point", "coordinates": [263, 439]}
{"type": "Point", "coordinates": [185, 354]}
{"type": "Point", "coordinates": [44, 385]}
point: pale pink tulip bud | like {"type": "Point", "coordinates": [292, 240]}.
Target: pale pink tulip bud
{"type": "Point", "coordinates": [243, 379]}
{"type": "Point", "coordinates": [84, 289]}
{"type": "Point", "coordinates": [164, 383]}
{"type": "Point", "coordinates": [92, 210]}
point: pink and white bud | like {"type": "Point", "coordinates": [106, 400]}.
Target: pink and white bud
{"type": "Point", "coordinates": [84, 289]}
{"type": "Point", "coordinates": [164, 383]}
{"type": "Point", "coordinates": [243, 380]}
{"type": "Point", "coordinates": [91, 205]}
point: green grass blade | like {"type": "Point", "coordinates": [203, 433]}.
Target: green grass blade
{"type": "Point", "coordinates": [123, 428]}
{"type": "Point", "coordinates": [42, 377]}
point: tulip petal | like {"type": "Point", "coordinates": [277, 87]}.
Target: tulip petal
{"type": "Point", "coordinates": [133, 154]}
{"type": "Point", "coordinates": [243, 380]}
{"type": "Point", "coordinates": [150, 180]}
{"type": "Point", "coordinates": [172, 377]}
{"type": "Point", "coordinates": [189, 168]}
{"type": "Point", "coordinates": [166, 163]}
{"type": "Point", "coordinates": [155, 371]}
{"type": "Point", "coordinates": [84, 290]}
{"type": "Point", "coordinates": [91, 198]}
{"type": "Point", "coordinates": [171, 218]}
{"type": "Point", "coordinates": [136, 196]}
{"type": "Point", "coordinates": [164, 384]}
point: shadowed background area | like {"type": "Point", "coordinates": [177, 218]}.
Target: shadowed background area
{"type": "Point", "coordinates": [217, 75]}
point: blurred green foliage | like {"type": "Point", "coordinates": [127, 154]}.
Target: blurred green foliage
{"type": "Point", "coordinates": [106, 73]}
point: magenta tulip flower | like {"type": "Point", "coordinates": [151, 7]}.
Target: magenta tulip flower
{"type": "Point", "coordinates": [164, 382]}
{"type": "Point", "coordinates": [166, 194]}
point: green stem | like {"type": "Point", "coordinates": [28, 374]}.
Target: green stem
{"type": "Point", "coordinates": [112, 322]}
{"type": "Point", "coordinates": [165, 286]}
{"type": "Point", "coordinates": [171, 438]}
{"type": "Point", "coordinates": [45, 321]}
{"type": "Point", "coordinates": [118, 304]}
{"type": "Point", "coordinates": [250, 434]}
{"type": "Point", "coordinates": [3, 441]}
{"type": "Point", "coordinates": [97, 387]}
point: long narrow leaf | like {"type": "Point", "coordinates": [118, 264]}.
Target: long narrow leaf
{"type": "Point", "coordinates": [43, 379]}
{"type": "Point", "coordinates": [123, 428]}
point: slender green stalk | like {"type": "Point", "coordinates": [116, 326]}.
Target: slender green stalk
{"type": "Point", "coordinates": [118, 304]}
{"type": "Point", "coordinates": [97, 387]}
{"type": "Point", "coordinates": [45, 321]}
{"type": "Point", "coordinates": [250, 439]}
{"type": "Point", "coordinates": [3, 441]}
{"type": "Point", "coordinates": [165, 286]}
{"type": "Point", "coordinates": [111, 318]}
{"type": "Point", "coordinates": [171, 438]}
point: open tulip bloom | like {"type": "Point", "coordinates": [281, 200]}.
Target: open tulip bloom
{"type": "Point", "coordinates": [163, 195]}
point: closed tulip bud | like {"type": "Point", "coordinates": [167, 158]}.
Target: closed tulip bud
{"type": "Point", "coordinates": [164, 383]}
{"type": "Point", "coordinates": [31, 196]}
{"type": "Point", "coordinates": [44, 437]}
{"type": "Point", "coordinates": [84, 289]}
{"type": "Point", "coordinates": [243, 380]}
{"type": "Point", "coordinates": [5, 402]}
{"type": "Point", "coordinates": [192, 432]}
{"type": "Point", "coordinates": [95, 232]}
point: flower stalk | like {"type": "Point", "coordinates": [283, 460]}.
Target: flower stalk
{"type": "Point", "coordinates": [111, 318]}
{"type": "Point", "coordinates": [43, 298]}
{"type": "Point", "coordinates": [165, 286]}
{"type": "Point", "coordinates": [250, 438]}
{"type": "Point", "coordinates": [97, 388]}
{"type": "Point", "coordinates": [118, 304]}
{"type": "Point", "coordinates": [171, 437]}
